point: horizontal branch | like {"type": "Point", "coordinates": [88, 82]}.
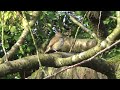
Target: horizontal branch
{"type": "Point", "coordinates": [28, 63]}
{"type": "Point", "coordinates": [80, 45]}
{"type": "Point", "coordinates": [79, 73]}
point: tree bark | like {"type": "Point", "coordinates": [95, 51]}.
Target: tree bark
{"type": "Point", "coordinates": [73, 73]}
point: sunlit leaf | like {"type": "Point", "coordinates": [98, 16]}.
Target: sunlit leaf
{"type": "Point", "coordinates": [12, 29]}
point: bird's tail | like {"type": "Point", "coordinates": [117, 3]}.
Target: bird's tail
{"type": "Point", "coordinates": [47, 50]}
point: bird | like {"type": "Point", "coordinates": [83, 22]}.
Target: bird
{"type": "Point", "coordinates": [55, 43]}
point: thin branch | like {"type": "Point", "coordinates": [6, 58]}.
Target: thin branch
{"type": "Point", "coordinates": [3, 24]}
{"type": "Point", "coordinates": [83, 27]}
{"type": "Point", "coordinates": [99, 21]}
{"type": "Point", "coordinates": [113, 17]}
{"type": "Point", "coordinates": [77, 33]}
{"type": "Point", "coordinates": [74, 40]}
{"type": "Point", "coordinates": [34, 42]}
{"type": "Point", "coordinates": [92, 58]}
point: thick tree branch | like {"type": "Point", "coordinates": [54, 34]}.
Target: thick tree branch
{"type": "Point", "coordinates": [27, 63]}
{"type": "Point", "coordinates": [73, 73]}
{"type": "Point", "coordinates": [23, 35]}
{"type": "Point", "coordinates": [80, 45]}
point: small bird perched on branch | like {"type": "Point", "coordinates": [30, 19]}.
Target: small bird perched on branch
{"type": "Point", "coordinates": [55, 43]}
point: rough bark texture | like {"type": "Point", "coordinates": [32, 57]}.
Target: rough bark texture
{"type": "Point", "coordinates": [73, 73]}
{"type": "Point", "coordinates": [80, 45]}
{"type": "Point", "coordinates": [101, 66]}
{"type": "Point", "coordinates": [115, 63]}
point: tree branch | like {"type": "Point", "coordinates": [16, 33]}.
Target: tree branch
{"type": "Point", "coordinates": [84, 28]}
{"type": "Point", "coordinates": [73, 73]}
{"type": "Point", "coordinates": [27, 63]}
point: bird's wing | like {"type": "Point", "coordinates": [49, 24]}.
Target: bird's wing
{"type": "Point", "coordinates": [53, 41]}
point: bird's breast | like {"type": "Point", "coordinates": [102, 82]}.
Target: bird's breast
{"type": "Point", "coordinates": [58, 44]}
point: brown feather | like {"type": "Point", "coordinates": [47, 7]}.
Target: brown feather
{"type": "Point", "coordinates": [54, 41]}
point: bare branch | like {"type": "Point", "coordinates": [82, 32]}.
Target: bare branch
{"type": "Point", "coordinates": [83, 27]}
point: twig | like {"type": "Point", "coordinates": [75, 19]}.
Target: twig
{"type": "Point", "coordinates": [3, 36]}
{"type": "Point", "coordinates": [99, 21]}
{"type": "Point", "coordinates": [77, 32]}
{"type": "Point", "coordinates": [83, 27]}
{"type": "Point", "coordinates": [84, 60]}
{"type": "Point", "coordinates": [74, 40]}
{"type": "Point", "coordinates": [40, 65]}
{"type": "Point", "coordinates": [113, 17]}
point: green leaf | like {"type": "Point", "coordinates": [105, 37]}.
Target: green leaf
{"type": "Point", "coordinates": [16, 37]}
{"type": "Point", "coordinates": [12, 29]}
{"type": "Point", "coordinates": [6, 37]}
{"type": "Point", "coordinates": [6, 45]}
{"type": "Point", "coordinates": [77, 12]}
{"type": "Point", "coordinates": [21, 50]}
{"type": "Point", "coordinates": [49, 25]}
{"type": "Point", "coordinates": [28, 49]}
